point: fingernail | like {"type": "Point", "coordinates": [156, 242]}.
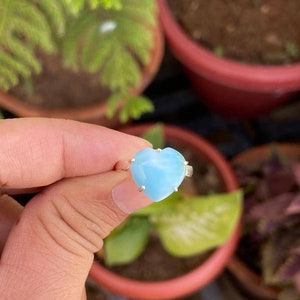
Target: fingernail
{"type": "Point", "coordinates": [128, 197]}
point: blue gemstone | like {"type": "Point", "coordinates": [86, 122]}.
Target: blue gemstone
{"type": "Point", "coordinates": [158, 172]}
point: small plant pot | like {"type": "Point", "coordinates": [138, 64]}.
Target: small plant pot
{"type": "Point", "coordinates": [95, 113]}
{"type": "Point", "coordinates": [250, 282]}
{"type": "Point", "coordinates": [228, 87]}
{"type": "Point", "coordinates": [204, 273]}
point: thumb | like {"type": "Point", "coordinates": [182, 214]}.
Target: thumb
{"type": "Point", "coordinates": [50, 250]}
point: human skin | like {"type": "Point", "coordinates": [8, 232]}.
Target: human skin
{"type": "Point", "coordinates": [80, 174]}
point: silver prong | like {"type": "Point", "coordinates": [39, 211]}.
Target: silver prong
{"type": "Point", "coordinates": [189, 171]}
{"type": "Point", "coordinates": [158, 149]}
{"type": "Point", "coordinates": [176, 189]}
{"type": "Point", "coordinates": [142, 188]}
{"type": "Point", "coordinates": [132, 160]}
{"type": "Point", "coordinates": [186, 163]}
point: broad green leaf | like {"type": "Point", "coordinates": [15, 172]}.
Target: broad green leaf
{"type": "Point", "coordinates": [198, 224]}
{"type": "Point", "coordinates": [155, 136]}
{"type": "Point", "coordinates": [169, 204]}
{"type": "Point", "coordinates": [127, 242]}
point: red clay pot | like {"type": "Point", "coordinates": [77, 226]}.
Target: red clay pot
{"type": "Point", "coordinates": [250, 281]}
{"type": "Point", "coordinates": [228, 87]}
{"type": "Point", "coordinates": [206, 272]}
{"type": "Point", "coordinates": [95, 113]}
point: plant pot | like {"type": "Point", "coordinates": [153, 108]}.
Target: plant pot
{"type": "Point", "coordinates": [204, 273]}
{"type": "Point", "coordinates": [249, 281]}
{"type": "Point", "coordinates": [228, 87]}
{"type": "Point", "coordinates": [95, 113]}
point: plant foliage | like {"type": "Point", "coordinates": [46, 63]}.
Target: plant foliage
{"type": "Point", "coordinates": [272, 220]}
{"type": "Point", "coordinates": [111, 37]}
{"type": "Point", "coordinates": [116, 42]}
{"type": "Point", "coordinates": [78, 5]}
{"type": "Point", "coordinates": [26, 25]}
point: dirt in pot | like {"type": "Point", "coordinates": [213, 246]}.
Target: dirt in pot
{"type": "Point", "coordinates": [57, 87]}
{"type": "Point", "coordinates": [95, 292]}
{"type": "Point", "coordinates": [251, 31]}
{"type": "Point", "coordinates": [155, 264]}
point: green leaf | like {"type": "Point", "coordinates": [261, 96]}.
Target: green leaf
{"type": "Point", "coordinates": [72, 41]}
{"type": "Point", "coordinates": [14, 64]}
{"type": "Point", "coordinates": [76, 5]}
{"type": "Point", "coordinates": [23, 53]}
{"type": "Point", "coordinates": [25, 26]}
{"type": "Point", "coordinates": [108, 4]}
{"type": "Point", "coordinates": [121, 62]}
{"type": "Point", "coordinates": [56, 15]}
{"type": "Point", "coordinates": [116, 42]}
{"type": "Point", "coordinates": [134, 107]}
{"type": "Point", "coordinates": [198, 224]}
{"type": "Point", "coordinates": [112, 104]}
{"type": "Point", "coordinates": [155, 135]}
{"type": "Point", "coordinates": [158, 208]}
{"type": "Point", "coordinates": [9, 75]}
{"type": "Point", "coordinates": [127, 242]}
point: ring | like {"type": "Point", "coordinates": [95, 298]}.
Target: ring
{"type": "Point", "coordinates": [158, 173]}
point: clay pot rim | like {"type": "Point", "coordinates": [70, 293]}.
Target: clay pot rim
{"type": "Point", "coordinates": [199, 277]}
{"type": "Point", "coordinates": [225, 71]}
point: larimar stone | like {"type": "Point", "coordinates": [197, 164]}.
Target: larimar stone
{"type": "Point", "coordinates": [158, 173]}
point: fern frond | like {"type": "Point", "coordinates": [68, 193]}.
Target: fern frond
{"type": "Point", "coordinates": [134, 107]}
{"type": "Point", "coordinates": [116, 43]}
{"type": "Point", "coordinates": [30, 12]}
{"type": "Point", "coordinates": [7, 60]}
{"type": "Point", "coordinates": [112, 104]}
{"type": "Point", "coordinates": [34, 35]}
{"type": "Point", "coordinates": [140, 41]}
{"type": "Point", "coordinates": [114, 70]}
{"type": "Point", "coordinates": [9, 75]}
{"type": "Point", "coordinates": [4, 84]}
{"type": "Point", "coordinates": [144, 11]}
{"type": "Point", "coordinates": [54, 10]}
{"type": "Point", "coordinates": [72, 42]}
{"type": "Point", "coordinates": [23, 54]}
{"type": "Point", "coordinates": [107, 4]}
{"type": "Point", "coordinates": [24, 26]}
{"type": "Point", "coordinates": [77, 5]}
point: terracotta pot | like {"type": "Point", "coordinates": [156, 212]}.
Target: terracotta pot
{"type": "Point", "coordinates": [95, 113]}
{"type": "Point", "coordinates": [228, 87]}
{"type": "Point", "coordinates": [203, 274]}
{"type": "Point", "coordinates": [250, 281]}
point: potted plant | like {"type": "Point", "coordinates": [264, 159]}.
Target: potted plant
{"type": "Point", "coordinates": [84, 60]}
{"type": "Point", "coordinates": [267, 261]}
{"type": "Point", "coordinates": [176, 223]}
{"type": "Point", "coordinates": [227, 85]}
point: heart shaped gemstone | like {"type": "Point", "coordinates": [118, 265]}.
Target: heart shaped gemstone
{"type": "Point", "coordinates": [158, 173]}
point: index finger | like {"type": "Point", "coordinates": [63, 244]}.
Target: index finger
{"type": "Point", "coordinates": [38, 151]}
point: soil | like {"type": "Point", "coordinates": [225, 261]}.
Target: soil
{"type": "Point", "coordinates": [155, 264]}
{"type": "Point", "coordinates": [251, 31]}
{"type": "Point", "coordinates": [94, 292]}
{"type": "Point", "coordinates": [59, 87]}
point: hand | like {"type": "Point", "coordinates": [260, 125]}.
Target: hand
{"type": "Point", "coordinates": [84, 190]}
